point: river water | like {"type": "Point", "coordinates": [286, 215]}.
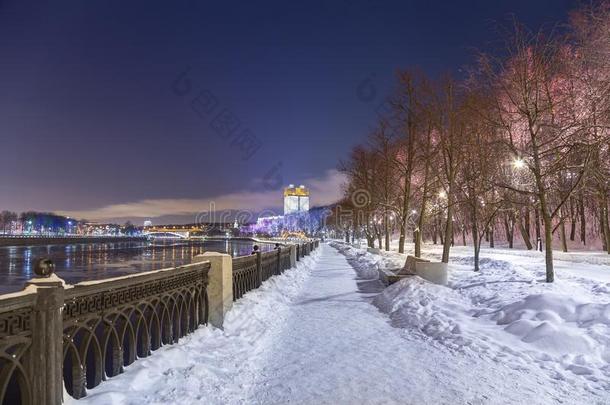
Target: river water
{"type": "Point", "coordinates": [94, 261]}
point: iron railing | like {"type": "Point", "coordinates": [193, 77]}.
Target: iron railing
{"type": "Point", "coordinates": [250, 271]}
{"type": "Point", "coordinates": [105, 325]}
{"type": "Point", "coordinates": [16, 330]}
{"type": "Point", "coordinates": [245, 275]}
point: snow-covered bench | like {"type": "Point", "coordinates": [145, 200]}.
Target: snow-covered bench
{"type": "Point", "coordinates": [390, 276]}
{"type": "Point", "coordinates": [435, 272]}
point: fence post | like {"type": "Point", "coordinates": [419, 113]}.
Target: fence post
{"type": "Point", "coordinates": [46, 352]}
{"type": "Point", "coordinates": [298, 252]}
{"type": "Point", "coordinates": [220, 285]}
{"type": "Point", "coordinates": [279, 261]}
{"type": "Point", "coordinates": [293, 255]}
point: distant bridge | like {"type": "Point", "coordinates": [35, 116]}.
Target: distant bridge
{"type": "Point", "coordinates": [171, 231]}
{"type": "Point", "coordinates": [168, 235]}
{"type": "Point", "coordinates": [183, 231]}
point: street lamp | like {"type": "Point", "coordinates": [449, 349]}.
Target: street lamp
{"type": "Point", "coordinates": [518, 163]}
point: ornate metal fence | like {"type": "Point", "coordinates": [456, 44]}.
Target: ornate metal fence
{"type": "Point", "coordinates": [245, 275]}
{"type": "Point", "coordinates": [284, 259]}
{"type": "Point", "coordinates": [104, 326]}
{"type": "Point", "coordinates": [16, 326]}
{"type": "Point", "coordinates": [250, 271]}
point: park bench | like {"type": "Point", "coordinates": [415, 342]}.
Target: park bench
{"type": "Point", "coordinates": [390, 276]}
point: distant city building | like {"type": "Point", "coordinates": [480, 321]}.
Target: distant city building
{"type": "Point", "coordinates": [296, 199]}
{"type": "Point", "coordinates": [147, 223]}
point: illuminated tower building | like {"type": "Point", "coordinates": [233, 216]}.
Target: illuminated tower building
{"type": "Point", "coordinates": [296, 199]}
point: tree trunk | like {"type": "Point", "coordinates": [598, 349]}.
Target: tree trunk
{"type": "Point", "coordinates": [476, 240]}
{"type": "Point", "coordinates": [524, 234]}
{"type": "Point", "coordinates": [605, 223]}
{"type": "Point", "coordinates": [572, 220]}
{"type": "Point", "coordinates": [477, 251]}
{"type": "Point", "coordinates": [491, 237]}
{"type": "Point", "coordinates": [441, 235]}
{"type": "Point", "coordinates": [583, 223]}
{"type": "Point", "coordinates": [509, 230]}
{"type": "Point", "coordinates": [601, 228]}
{"type": "Point", "coordinates": [401, 240]}
{"type": "Point", "coordinates": [417, 243]}
{"type": "Point", "coordinates": [548, 244]}
{"type": "Point", "coordinates": [562, 235]}
{"type": "Point", "coordinates": [448, 229]}
{"type": "Point", "coordinates": [527, 225]}
{"type": "Point", "coordinates": [537, 218]}
{"type": "Point", "coordinates": [387, 232]}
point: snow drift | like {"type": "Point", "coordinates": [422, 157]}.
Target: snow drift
{"type": "Point", "coordinates": [507, 313]}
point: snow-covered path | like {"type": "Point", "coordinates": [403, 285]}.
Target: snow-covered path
{"type": "Point", "coordinates": [311, 336]}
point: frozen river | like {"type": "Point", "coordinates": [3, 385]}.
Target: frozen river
{"type": "Point", "coordinates": [93, 261]}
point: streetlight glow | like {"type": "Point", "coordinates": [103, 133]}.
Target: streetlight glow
{"type": "Point", "coordinates": [518, 163]}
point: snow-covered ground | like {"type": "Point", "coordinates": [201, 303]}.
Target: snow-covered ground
{"type": "Point", "coordinates": [313, 336]}
{"type": "Point", "coordinates": [508, 314]}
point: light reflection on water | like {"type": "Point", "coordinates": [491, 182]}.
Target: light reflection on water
{"type": "Point", "coordinates": [93, 261]}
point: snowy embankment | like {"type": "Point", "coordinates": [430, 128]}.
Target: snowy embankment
{"type": "Point", "coordinates": [507, 312]}
{"type": "Point", "coordinates": [210, 364]}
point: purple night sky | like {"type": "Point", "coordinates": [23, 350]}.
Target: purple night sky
{"type": "Point", "coordinates": [96, 121]}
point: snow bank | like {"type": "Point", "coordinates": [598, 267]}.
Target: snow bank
{"type": "Point", "coordinates": [560, 325]}
{"type": "Point", "coordinates": [366, 264]}
{"type": "Point", "coordinates": [506, 312]}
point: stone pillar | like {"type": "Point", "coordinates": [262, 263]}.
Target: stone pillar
{"type": "Point", "coordinates": [220, 287]}
{"type": "Point", "coordinates": [46, 352]}
{"type": "Point", "coordinates": [293, 255]}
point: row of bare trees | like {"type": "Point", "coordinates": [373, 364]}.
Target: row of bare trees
{"type": "Point", "coordinates": [522, 143]}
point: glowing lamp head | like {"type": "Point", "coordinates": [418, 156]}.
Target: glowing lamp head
{"type": "Point", "coordinates": [518, 163]}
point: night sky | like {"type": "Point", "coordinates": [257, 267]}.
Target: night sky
{"type": "Point", "coordinates": [96, 120]}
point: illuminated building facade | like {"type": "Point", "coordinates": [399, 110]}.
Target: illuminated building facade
{"type": "Point", "coordinates": [296, 199]}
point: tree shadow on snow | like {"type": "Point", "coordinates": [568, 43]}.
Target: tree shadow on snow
{"type": "Point", "coordinates": [333, 297]}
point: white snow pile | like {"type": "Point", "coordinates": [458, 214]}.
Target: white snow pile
{"type": "Point", "coordinates": [508, 313]}
{"type": "Point", "coordinates": [366, 264]}
{"type": "Point", "coordinates": [211, 365]}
